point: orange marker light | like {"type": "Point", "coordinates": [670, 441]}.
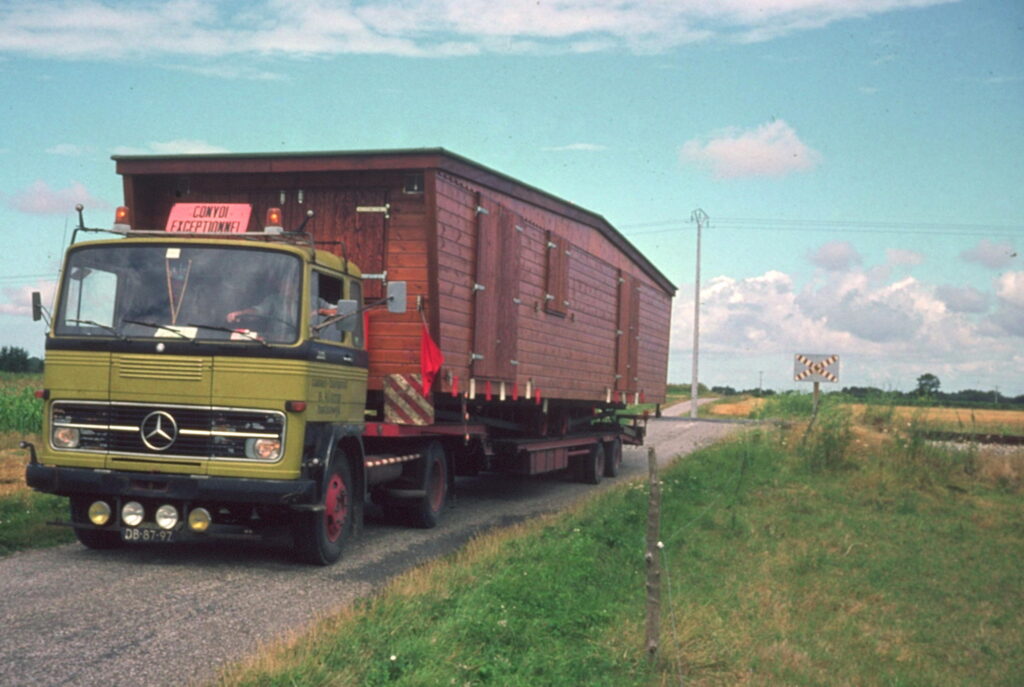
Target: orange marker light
{"type": "Point", "coordinates": [274, 217]}
{"type": "Point", "coordinates": [122, 219]}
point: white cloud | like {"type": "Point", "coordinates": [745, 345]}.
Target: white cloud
{"type": "Point", "coordinates": [193, 29]}
{"type": "Point", "coordinates": [181, 146]}
{"type": "Point", "coordinates": [887, 334]}
{"type": "Point", "coordinates": [68, 150]}
{"type": "Point", "coordinates": [995, 256]}
{"type": "Point", "coordinates": [1010, 288]}
{"type": "Point", "coordinates": [903, 257]}
{"type": "Point", "coordinates": [770, 150]}
{"type": "Point", "coordinates": [584, 147]}
{"type": "Point", "coordinates": [40, 199]}
{"type": "Point", "coordinates": [966, 299]}
{"type": "Point", "coordinates": [835, 256]}
{"type": "Point", "coordinates": [18, 300]}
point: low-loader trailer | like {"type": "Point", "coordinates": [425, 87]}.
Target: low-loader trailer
{"type": "Point", "coordinates": [272, 341]}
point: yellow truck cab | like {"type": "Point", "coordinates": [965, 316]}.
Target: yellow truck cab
{"type": "Point", "coordinates": [201, 383]}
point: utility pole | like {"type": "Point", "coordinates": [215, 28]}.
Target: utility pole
{"type": "Point", "coordinates": [701, 218]}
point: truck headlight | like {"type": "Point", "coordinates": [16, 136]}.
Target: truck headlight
{"type": "Point", "coordinates": [66, 437]}
{"type": "Point", "coordinates": [99, 513]}
{"type": "Point", "coordinates": [199, 519]}
{"type": "Point", "coordinates": [263, 449]}
{"type": "Point", "coordinates": [132, 513]}
{"type": "Point", "coordinates": [166, 517]}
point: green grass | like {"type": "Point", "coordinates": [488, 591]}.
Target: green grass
{"type": "Point", "coordinates": [23, 517]}
{"type": "Point", "coordinates": [779, 567]}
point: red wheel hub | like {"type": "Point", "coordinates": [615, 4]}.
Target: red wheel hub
{"type": "Point", "coordinates": [335, 507]}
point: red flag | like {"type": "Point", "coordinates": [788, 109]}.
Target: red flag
{"type": "Point", "coordinates": [431, 360]}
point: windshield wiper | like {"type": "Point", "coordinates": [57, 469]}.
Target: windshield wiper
{"type": "Point", "coordinates": [243, 332]}
{"type": "Point", "coordinates": [164, 327]}
{"type": "Point", "coordinates": [110, 329]}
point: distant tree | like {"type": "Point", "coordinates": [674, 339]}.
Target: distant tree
{"type": "Point", "coordinates": [724, 390]}
{"type": "Point", "coordinates": [928, 384]}
{"type": "Point", "coordinates": [14, 359]}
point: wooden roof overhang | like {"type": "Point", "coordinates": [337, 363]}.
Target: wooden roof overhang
{"type": "Point", "coordinates": [387, 160]}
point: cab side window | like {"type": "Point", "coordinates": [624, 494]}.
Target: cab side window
{"type": "Point", "coordinates": [324, 293]}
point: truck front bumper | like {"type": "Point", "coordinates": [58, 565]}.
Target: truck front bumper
{"type": "Point", "coordinates": [65, 481]}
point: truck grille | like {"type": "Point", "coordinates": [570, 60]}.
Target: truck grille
{"type": "Point", "coordinates": [166, 430]}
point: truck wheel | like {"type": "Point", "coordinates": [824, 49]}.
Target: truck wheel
{"type": "Point", "coordinates": [592, 465]}
{"type": "Point", "coordinates": [426, 511]}
{"type": "Point", "coordinates": [320, 536]}
{"type": "Point", "coordinates": [92, 539]}
{"type": "Point", "coordinates": [612, 457]}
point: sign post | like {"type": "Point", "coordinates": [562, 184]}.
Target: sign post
{"type": "Point", "coordinates": [808, 367]}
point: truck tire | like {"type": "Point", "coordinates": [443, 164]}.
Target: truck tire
{"type": "Point", "coordinates": [591, 466]}
{"type": "Point", "coordinates": [612, 457]}
{"type": "Point", "coordinates": [320, 536]}
{"type": "Point", "coordinates": [425, 512]}
{"type": "Point", "coordinates": [91, 538]}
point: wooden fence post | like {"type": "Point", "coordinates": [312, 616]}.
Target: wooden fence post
{"type": "Point", "coordinates": [652, 558]}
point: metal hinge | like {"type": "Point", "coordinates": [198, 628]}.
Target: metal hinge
{"type": "Point", "coordinates": [385, 209]}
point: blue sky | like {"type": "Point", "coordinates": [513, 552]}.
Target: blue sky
{"type": "Point", "coordinates": [860, 160]}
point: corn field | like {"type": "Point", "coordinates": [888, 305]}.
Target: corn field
{"type": "Point", "coordinates": [20, 410]}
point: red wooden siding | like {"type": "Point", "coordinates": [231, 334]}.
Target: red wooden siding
{"type": "Point", "coordinates": [566, 345]}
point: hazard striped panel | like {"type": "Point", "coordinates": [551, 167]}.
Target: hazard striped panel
{"type": "Point", "coordinates": [404, 402]}
{"type": "Point", "coordinates": [816, 368]}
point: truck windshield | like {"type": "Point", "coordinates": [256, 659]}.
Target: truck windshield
{"type": "Point", "coordinates": [175, 291]}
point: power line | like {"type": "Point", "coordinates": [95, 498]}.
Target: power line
{"type": "Point", "coordinates": [15, 278]}
{"type": "Point", "coordinates": [846, 226]}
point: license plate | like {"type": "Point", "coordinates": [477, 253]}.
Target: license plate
{"type": "Point", "coordinates": [145, 535]}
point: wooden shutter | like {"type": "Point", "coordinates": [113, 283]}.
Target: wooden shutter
{"type": "Point", "coordinates": [556, 298]}
{"type": "Point", "coordinates": [627, 348]}
{"type": "Point", "coordinates": [495, 299]}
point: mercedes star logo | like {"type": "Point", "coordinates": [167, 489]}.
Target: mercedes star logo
{"type": "Point", "coordinates": [159, 430]}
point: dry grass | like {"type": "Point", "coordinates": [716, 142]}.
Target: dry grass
{"type": "Point", "coordinates": [12, 463]}
{"type": "Point", "coordinates": [741, 408]}
{"type": "Point", "coordinates": [967, 419]}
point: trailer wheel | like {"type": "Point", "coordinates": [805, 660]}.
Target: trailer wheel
{"type": "Point", "coordinates": [612, 457]}
{"type": "Point", "coordinates": [89, 538]}
{"type": "Point", "coordinates": [592, 465]}
{"type": "Point", "coordinates": [320, 536]}
{"type": "Point", "coordinates": [426, 511]}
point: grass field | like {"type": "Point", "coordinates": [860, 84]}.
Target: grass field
{"type": "Point", "coordinates": [24, 513]}
{"type": "Point", "coordinates": [847, 554]}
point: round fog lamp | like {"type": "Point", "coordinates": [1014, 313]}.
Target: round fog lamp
{"type": "Point", "coordinates": [132, 513]}
{"type": "Point", "coordinates": [166, 517]}
{"type": "Point", "coordinates": [66, 437]}
{"type": "Point", "coordinates": [99, 513]}
{"type": "Point", "coordinates": [199, 520]}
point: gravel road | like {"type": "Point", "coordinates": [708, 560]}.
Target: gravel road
{"type": "Point", "coordinates": [173, 615]}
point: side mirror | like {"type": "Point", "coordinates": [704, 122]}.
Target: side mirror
{"type": "Point", "coordinates": [396, 296]}
{"type": "Point", "coordinates": [37, 306]}
{"type": "Point", "coordinates": [347, 311]}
